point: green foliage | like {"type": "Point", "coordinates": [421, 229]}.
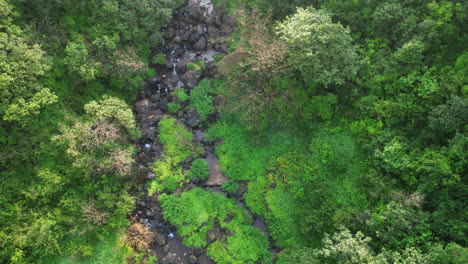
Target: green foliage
{"type": "Point", "coordinates": [320, 49]}
{"type": "Point", "coordinates": [22, 66]}
{"type": "Point", "coordinates": [181, 95]}
{"type": "Point", "coordinates": [201, 99]}
{"type": "Point", "coordinates": [200, 169]}
{"type": "Point", "coordinates": [173, 107]}
{"type": "Point", "coordinates": [178, 146]}
{"type": "Point", "coordinates": [230, 186]}
{"type": "Point", "coordinates": [197, 66]}
{"type": "Point", "coordinates": [196, 212]}
{"type": "Point", "coordinates": [159, 59]}
{"type": "Point", "coordinates": [322, 106]}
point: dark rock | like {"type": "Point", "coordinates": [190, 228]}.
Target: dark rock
{"type": "Point", "coordinates": [199, 29]}
{"type": "Point", "coordinates": [190, 186]}
{"type": "Point", "coordinates": [204, 259]}
{"type": "Point", "coordinates": [223, 48]}
{"type": "Point", "coordinates": [177, 39]}
{"type": "Point", "coordinates": [185, 36]}
{"type": "Point", "coordinates": [181, 67]}
{"type": "Point", "coordinates": [163, 104]}
{"type": "Point", "coordinates": [201, 44]}
{"type": "Point", "coordinates": [194, 37]}
{"type": "Point", "coordinates": [261, 225]}
{"type": "Point", "coordinates": [161, 239]}
{"type": "Point", "coordinates": [156, 97]}
{"type": "Point", "coordinates": [193, 259]}
{"type": "Point", "coordinates": [195, 180]}
{"type": "Point", "coordinates": [153, 116]}
{"type": "Point", "coordinates": [193, 119]}
{"type": "Point", "coordinates": [241, 190]}
{"type": "Point", "coordinates": [150, 212]}
{"type": "Point", "coordinates": [218, 100]}
{"type": "Point", "coordinates": [166, 249]}
{"type": "Point", "coordinates": [191, 78]}
{"type": "Point", "coordinates": [142, 171]}
{"type": "Point", "coordinates": [142, 105]}
{"type": "Point", "coordinates": [229, 20]}
{"type": "Point", "coordinates": [213, 31]}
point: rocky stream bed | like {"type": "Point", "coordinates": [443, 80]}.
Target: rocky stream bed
{"type": "Point", "coordinates": [197, 33]}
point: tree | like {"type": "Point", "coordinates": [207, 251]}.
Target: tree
{"type": "Point", "coordinates": [21, 67]}
{"type": "Point", "coordinates": [322, 51]}
{"type": "Point", "coordinates": [98, 142]}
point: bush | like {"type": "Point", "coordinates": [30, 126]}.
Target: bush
{"type": "Point", "coordinates": [199, 169]}
{"type": "Point", "coordinates": [201, 99]}
{"type": "Point", "coordinates": [197, 211]}
{"type": "Point", "coordinates": [181, 94]}
{"type": "Point", "coordinates": [173, 107]}
{"type": "Point", "coordinates": [159, 59]}
{"type": "Point", "coordinates": [197, 66]}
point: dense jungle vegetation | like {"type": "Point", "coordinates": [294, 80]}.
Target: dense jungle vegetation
{"type": "Point", "coordinates": [346, 120]}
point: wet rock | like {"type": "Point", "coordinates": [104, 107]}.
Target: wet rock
{"type": "Point", "coordinates": [161, 239]}
{"type": "Point", "coordinates": [193, 259]}
{"type": "Point", "coordinates": [193, 119]}
{"type": "Point", "coordinates": [261, 225]}
{"type": "Point", "coordinates": [195, 180]}
{"type": "Point", "coordinates": [200, 44]}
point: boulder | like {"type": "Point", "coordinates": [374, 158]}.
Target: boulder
{"type": "Point", "coordinates": [193, 259]}
{"type": "Point", "coordinates": [142, 105]}
{"type": "Point", "coordinates": [194, 37]}
{"type": "Point", "coordinates": [166, 249]}
{"type": "Point", "coordinates": [163, 104]}
{"type": "Point", "coordinates": [213, 31]}
{"type": "Point", "coordinates": [193, 119]}
{"type": "Point", "coordinates": [200, 44]}
{"type": "Point", "coordinates": [229, 20]}
{"type": "Point", "coordinates": [191, 78]}
{"type": "Point", "coordinates": [161, 239]}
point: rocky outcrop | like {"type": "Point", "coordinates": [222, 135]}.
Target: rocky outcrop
{"type": "Point", "coordinates": [197, 32]}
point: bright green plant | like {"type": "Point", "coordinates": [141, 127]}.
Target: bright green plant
{"type": "Point", "coordinates": [173, 107]}
{"type": "Point", "coordinates": [199, 169]}
{"type": "Point", "coordinates": [201, 99]}
{"type": "Point", "coordinates": [181, 94]}
{"type": "Point", "coordinates": [197, 211]}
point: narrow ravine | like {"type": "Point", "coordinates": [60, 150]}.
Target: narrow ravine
{"type": "Point", "coordinates": [197, 33]}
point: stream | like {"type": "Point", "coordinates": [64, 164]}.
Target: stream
{"type": "Point", "coordinates": [197, 33]}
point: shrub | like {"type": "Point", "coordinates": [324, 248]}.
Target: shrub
{"type": "Point", "coordinates": [201, 99]}
{"type": "Point", "coordinates": [173, 107]}
{"type": "Point", "coordinates": [159, 59]}
{"type": "Point", "coordinates": [197, 211]}
{"type": "Point", "coordinates": [181, 94]}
